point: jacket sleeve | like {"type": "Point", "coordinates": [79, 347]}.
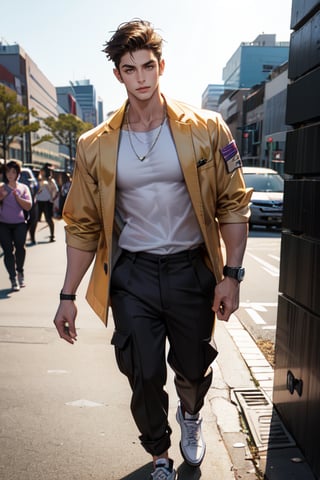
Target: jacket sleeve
{"type": "Point", "coordinates": [232, 195]}
{"type": "Point", "coordinates": [82, 211]}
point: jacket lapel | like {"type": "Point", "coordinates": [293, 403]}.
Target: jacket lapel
{"type": "Point", "coordinates": [182, 136]}
{"type": "Point", "coordinates": [108, 152]}
{"type": "Point", "coordinates": [107, 176]}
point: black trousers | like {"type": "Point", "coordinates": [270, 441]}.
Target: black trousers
{"type": "Point", "coordinates": [12, 240]}
{"type": "Point", "coordinates": [47, 209]}
{"type": "Point", "coordinates": [33, 221]}
{"type": "Point", "coordinates": [154, 298]}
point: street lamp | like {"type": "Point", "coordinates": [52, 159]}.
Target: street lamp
{"type": "Point", "coordinates": [246, 135]}
{"type": "Point", "coordinates": [270, 151]}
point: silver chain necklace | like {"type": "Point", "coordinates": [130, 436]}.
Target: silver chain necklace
{"type": "Point", "coordinates": [143, 157]}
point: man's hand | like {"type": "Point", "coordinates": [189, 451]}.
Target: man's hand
{"type": "Point", "coordinates": [78, 262]}
{"type": "Point", "coordinates": [65, 320]}
{"type": "Point", "coordinates": [226, 298]}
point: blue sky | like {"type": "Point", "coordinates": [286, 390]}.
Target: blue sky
{"type": "Point", "coordinates": [65, 38]}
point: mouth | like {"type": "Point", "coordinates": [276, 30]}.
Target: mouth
{"type": "Point", "coordinates": [142, 89]}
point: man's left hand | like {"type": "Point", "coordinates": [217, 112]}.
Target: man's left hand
{"type": "Point", "coordinates": [226, 298]}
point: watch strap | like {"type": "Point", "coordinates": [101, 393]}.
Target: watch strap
{"type": "Point", "coordinates": [67, 296]}
{"type": "Point", "coordinates": [234, 272]}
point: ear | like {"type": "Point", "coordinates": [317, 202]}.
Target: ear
{"type": "Point", "coordinates": [161, 66]}
{"type": "Point", "coordinates": [117, 74]}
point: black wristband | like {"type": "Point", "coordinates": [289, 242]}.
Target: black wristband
{"type": "Point", "coordinates": [67, 296]}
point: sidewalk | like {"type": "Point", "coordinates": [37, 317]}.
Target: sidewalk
{"type": "Point", "coordinates": [65, 409]}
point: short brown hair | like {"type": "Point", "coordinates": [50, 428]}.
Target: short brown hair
{"type": "Point", "coordinates": [13, 164]}
{"type": "Point", "coordinates": [130, 37]}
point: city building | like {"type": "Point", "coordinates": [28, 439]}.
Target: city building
{"type": "Point", "coordinates": [252, 100]}
{"type": "Point", "coordinates": [12, 84]}
{"type": "Point", "coordinates": [256, 118]}
{"type": "Point", "coordinates": [231, 109]}
{"type": "Point", "coordinates": [211, 96]}
{"type": "Point", "coordinates": [66, 97]}
{"type": "Point", "coordinates": [252, 62]}
{"type": "Point", "coordinates": [10, 81]}
{"type": "Point", "coordinates": [35, 91]}
{"type": "Point", "coordinates": [19, 73]}
{"type": "Point", "coordinates": [274, 129]}
{"type": "Point", "coordinates": [85, 95]}
{"type": "Point", "coordinates": [253, 118]}
{"type": "Point", "coordinates": [100, 110]}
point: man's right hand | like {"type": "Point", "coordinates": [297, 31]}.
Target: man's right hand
{"type": "Point", "coordinates": [64, 321]}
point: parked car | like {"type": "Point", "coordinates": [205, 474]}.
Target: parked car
{"type": "Point", "coordinates": [27, 177]}
{"type": "Point", "coordinates": [34, 167]}
{"type": "Point", "coordinates": [267, 196]}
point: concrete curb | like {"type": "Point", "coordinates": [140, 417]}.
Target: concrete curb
{"type": "Point", "coordinates": [273, 463]}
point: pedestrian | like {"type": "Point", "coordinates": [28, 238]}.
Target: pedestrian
{"type": "Point", "coordinates": [45, 197]}
{"type": "Point", "coordinates": [153, 189]}
{"type": "Point", "coordinates": [32, 215]}
{"type": "Point", "coordinates": [64, 188]}
{"type": "Point", "coordinates": [15, 200]}
{"type": "Point", "coordinates": [2, 175]}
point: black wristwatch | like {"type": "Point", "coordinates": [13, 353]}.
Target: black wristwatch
{"type": "Point", "coordinates": [234, 272]}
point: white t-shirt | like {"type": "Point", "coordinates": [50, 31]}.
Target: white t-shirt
{"type": "Point", "coordinates": [152, 198]}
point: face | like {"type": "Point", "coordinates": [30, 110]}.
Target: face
{"type": "Point", "coordinates": [11, 174]}
{"type": "Point", "coordinates": [139, 72]}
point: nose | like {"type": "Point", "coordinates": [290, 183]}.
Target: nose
{"type": "Point", "coordinates": [140, 76]}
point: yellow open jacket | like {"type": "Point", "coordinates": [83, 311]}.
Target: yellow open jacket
{"type": "Point", "coordinates": [216, 195]}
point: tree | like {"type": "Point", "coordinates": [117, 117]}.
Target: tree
{"type": "Point", "coordinates": [65, 130]}
{"type": "Point", "coordinates": [14, 119]}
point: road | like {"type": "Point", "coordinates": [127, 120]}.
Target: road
{"type": "Point", "coordinates": [259, 291]}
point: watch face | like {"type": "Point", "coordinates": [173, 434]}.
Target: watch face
{"type": "Point", "coordinates": [241, 274]}
{"type": "Point", "coordinates": [234, 272]}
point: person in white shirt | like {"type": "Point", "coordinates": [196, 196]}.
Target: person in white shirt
{"type": "Point", "coordinates": [153, 189]}
{"type": "Point", "coordinates": [46, 195]}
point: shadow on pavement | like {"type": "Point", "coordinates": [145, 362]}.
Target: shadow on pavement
{"type": "Point", "coordinates": [5, 293]}
{"type": "Point", "coordinates": [257, 232]}
{"type": "Point", "coordinates": [38, 242]}
{"type": "Point", "coordinates": [140, 474]}
{"type": "Point", "coordinates": [184, 471]}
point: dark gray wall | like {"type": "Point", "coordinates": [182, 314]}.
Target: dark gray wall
{"type": "Point", "coordinates": [298, 322]}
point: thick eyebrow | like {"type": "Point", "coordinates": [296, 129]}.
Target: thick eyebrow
{"type": "Point", "coordinates": [147, 64]}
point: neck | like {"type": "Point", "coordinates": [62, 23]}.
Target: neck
{"type": "Point", "coordinates": [145, 115]}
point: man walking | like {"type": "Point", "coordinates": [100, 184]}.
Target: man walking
{"type": "Point", "coordinates": [154, 189]}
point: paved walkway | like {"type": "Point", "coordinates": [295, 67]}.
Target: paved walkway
{"type": "Point", "coordinates": [64, 410]}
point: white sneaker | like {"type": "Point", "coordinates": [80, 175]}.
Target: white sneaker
{"type": "Point", "coordinates": [21, 280]}
{"type": "Point", "coordinates": [164, 470]}
{"type": "Point", "coordinates": [192, 444]}
{"type": "Point", "coordinates": [14, 285]}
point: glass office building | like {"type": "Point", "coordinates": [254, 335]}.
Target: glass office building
{"type": "Point", "coordinates": [252, 62]}
{"type": "Point", "coordinates": [86, 97]}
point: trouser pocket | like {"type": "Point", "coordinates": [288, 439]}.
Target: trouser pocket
{"type": "Point", "coordinates": [123, 351]}
{"type": "Point", "coordinates": [204, 276]}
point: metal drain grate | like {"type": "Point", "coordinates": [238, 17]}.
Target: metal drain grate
{"type": "Point", "coordinates": [265, 425]}
{"type": "Point", "coordinates": [252, 398]}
